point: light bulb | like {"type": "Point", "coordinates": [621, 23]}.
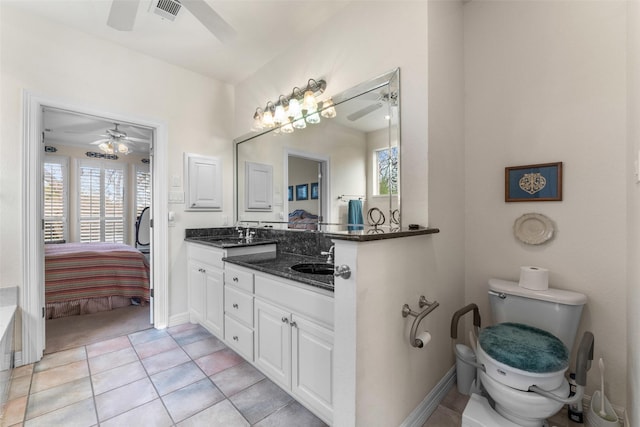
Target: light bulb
{"type": "Point", "coordinates": [328, 110]}
{"type": "Point", "coordinates": [309, 103]}
{"type": "Point", "coordinates": [313, 117]}
{"type": "Point", "coordinates": [279, 115]}
{"type": "Point", "coordinates": [294, 108]}
{"type": "Point", "coordinates": [267, 119]}
{"type": "Point", "coordinates": [287, 127]}
{"type": "Point", "coordinates": [122, 148]}
{"type": "Point", "coordinates": [257, 121]}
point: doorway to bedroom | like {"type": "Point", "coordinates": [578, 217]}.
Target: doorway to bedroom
{"type": "Point", "coordinates": [96, 198]}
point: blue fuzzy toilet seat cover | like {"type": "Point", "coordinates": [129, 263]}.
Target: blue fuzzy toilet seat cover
{"type": "Point", "coordinates": [524, 347]}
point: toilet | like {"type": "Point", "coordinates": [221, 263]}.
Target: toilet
{"type": "Point", "coordinates": [529, 345]}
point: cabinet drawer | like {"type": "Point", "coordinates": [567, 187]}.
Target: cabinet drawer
{"type": "Point", "coordinates": [205, 254]}
{"type": "Point", "coordinates": [239, 337]}
{"type": "Point", "coordinates": [236, 277]}
{"type": "Point", "coordinates": [239, 305]}
{"type": "Point", "coordinates": [299, 300]}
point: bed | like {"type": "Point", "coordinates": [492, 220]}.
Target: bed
{"type": "Point", "coordinates": [301, 219]}
{"type": "Point", "coordinates": [84, 278]}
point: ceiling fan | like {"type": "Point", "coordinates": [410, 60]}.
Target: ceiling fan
{"type": "Point", "coordinates": [391, 99]}
{"type": "Point", "coordinates": [122, 15]}
{"type": "Point", "coordinates": [115, 141]}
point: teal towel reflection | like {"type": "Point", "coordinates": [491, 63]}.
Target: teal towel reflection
{"type": "Point", "coordinates": [355, 215]}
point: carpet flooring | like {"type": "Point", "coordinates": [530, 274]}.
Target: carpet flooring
{"type": "Point", "coordinates": [74, 331]}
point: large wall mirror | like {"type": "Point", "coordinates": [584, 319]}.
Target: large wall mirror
{"type": "Point", "coordinates": [318, 177]}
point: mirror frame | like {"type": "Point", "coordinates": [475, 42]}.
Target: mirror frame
{"type": "Point", "coordinates": [388, 78]}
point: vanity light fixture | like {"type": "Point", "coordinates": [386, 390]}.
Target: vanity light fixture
{"type": "Point", "coordinates": [294, 111]}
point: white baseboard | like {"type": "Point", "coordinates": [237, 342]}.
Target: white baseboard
{"type": "Point", "coordinates": [178, 319]}
{"type": "Point", "coordinates": [430, 403]}
{"type": "Point", "coordinates": [17, 359]}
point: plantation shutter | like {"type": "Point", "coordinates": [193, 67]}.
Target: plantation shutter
{"type": "Point", "coordinates": [55, 200]}
{"type": "Point", "coordinates": [143, 190]}
{"type": "Point", "coordinates": [101, 203]}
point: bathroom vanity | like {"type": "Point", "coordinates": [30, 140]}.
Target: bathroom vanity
{"type": "Point", "coordinates": [283, 321]}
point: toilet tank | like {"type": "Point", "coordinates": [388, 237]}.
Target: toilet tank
{"type": "Point", "coordinates": [553, 310]}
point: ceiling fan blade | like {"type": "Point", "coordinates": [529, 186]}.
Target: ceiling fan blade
{"type": "Point", "coordinates": [210, 19]}
{"type": "Point", "coordinates": [122, 15]}
{"type": "Point", "coordinates": [363, 112]}
{"type": "Point", "coordinates": [98, 142]}
{"type": "Point", "coordinates": [133, 139]}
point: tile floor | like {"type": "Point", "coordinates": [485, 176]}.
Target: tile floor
{"type": "Point", "coordinates": [181, 376]}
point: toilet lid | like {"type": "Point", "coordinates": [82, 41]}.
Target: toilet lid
{"type": "Point", "coordinates": [524, 347]}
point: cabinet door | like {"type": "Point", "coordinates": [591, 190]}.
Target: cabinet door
{"type": "Point", "coordinates": [259, 183]}
{"type": "Point", "coordinates": [196, 292]}
{"type": "Point", "coordinates": [272, 342]}
{"type": "Point", "coordinates": [214, 309]}
{"type": "Point", "coordinates": [204, 182]}
{"type": "Point", "coordinates": [312, 365]}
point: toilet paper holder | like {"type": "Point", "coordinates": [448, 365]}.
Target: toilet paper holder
{"type": "Point", "coordinates": [406, 311]}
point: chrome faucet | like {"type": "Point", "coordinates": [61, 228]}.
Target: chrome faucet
{"type": "Point", "coordinates": [329, 254]}
{"type": "Point", "coordinates": [250, 234]}
{"type": "Point", "coordinates": [240, 233]}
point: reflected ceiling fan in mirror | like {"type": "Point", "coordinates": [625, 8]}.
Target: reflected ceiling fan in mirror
{"type": "Point", "coordinates": [115, 141]}
{"type": "Point", "coordinates": [391, 99]}
{"type": "Point", "coordinates": [122, 15]}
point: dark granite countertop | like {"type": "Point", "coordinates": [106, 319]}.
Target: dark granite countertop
{"type": "Point", "coordinates": [372, 233]}
{"type": "Point", "coordinates": [225, 242]}
{"type": "Point", "coordinates": [279, 263]}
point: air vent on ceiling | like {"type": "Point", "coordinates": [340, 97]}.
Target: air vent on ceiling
{"type": "Point", "coordinates": [167, 9]}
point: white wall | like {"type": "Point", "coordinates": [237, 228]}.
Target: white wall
{"type": "Point", "coordinates": [370, 38]}
{"type": "Point", "coordinates": [545, 82]}
{"type": "Point", "coordinates": [633, 285]}
{"type": "Point", "coordinates": [58, 62]}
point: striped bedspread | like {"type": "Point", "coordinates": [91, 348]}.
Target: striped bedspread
{"type": "Point", "coordinates": [89, 270]}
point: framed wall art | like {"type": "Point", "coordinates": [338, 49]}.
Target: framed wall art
{"type": "Point", "coordinates": [314, 190]}
{"type": "Point", "coordinates": [533, 183]}
{"type": "Point", "coordinates": [302, 192]}
{"type": "Point", "coordinates": [291, 193]}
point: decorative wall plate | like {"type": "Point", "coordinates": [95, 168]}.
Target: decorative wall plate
{"type": "Point", "coordinates": [533, 228]}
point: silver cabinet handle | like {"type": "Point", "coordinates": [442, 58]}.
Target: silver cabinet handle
{"type": "Point", "coordinates": [285, 320]}
{"type": "Point", "coordinates": [235, 305]}
{"type": "Point", "coordinates": [342, 271]}
{"type": "Point", "coordinates": [235, 338]}
{"type": "Point", "coordinates": [235, 279]}
{"type": "Point", "coordinates": [294, 324]}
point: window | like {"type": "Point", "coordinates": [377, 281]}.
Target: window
{"type": "Point", "coordinates": [386, 171]}
{"type": "Point", "coordinates": [101, 202]}
{"type": "Point", "coordinates": [143, 188]}
{"type": "Point", "coordinates": [55, 201]}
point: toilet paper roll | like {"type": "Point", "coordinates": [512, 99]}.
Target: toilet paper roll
{"type": "Point", "coordinates": [534, 278]}
{"type": "Point", "coordinates": [425, 337]}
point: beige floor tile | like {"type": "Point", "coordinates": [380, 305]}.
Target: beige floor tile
{"type": "Point", "coordinates": [61, 358]}
{"type": "Point", "coordinates": [204, 347]}
{"type": "Point", "coordinates": [22, 371]}
{"type": "Point", "coordinates": [177, 377]}
{"type": "Point", "coordinates": [112, 360]}
{"type": "Point", "coordinates": [158, 346]}
{"type": "Point", "coordinates": [192, 399]}
{"type": "Point", "coordinates": [58, 397]}
{"type": "Point", "coordinates": [117, 377]}
{"type": "Point", "coordinates": [108, 346]}
{"type": "Point", "coordinates": [444, 417]}
{"type": "Point", "coordinates": [455, 400]}
{"type": "Point", "coordinates": [150, 414]}
{"type": "Point", "coordinates": [166, 360]}
{"type": "Point", "coordinates": [221, 414]}
{"type": "Point", "coordinates": [19, 387]}
{"type": "Point", "coordinates": [59, 375]}
{"type": "Point", "coordinates": [125, 398]}
{"type": "Point", "coordinates": [219, 361]}
{"type": "Point", "coordinates": [80, 414]}
{"type": "Point", "coordinates": [14, 411]}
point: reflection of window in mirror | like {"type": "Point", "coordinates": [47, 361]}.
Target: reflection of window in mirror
{"type": "Point", "coordinates": [386, 166]}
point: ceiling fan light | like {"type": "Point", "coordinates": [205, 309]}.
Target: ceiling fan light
{"type": "Point", "coordinates": [328, 109]}
{"type": "Point", "coordinates": [107, 147]}
{"type": "Point", "coordinates": [123, 148]}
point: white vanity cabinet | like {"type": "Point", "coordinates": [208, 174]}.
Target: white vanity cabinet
{"type": "Point", "coordinates": [205, 287]}
{"type": "Point", "coordinates": [293, 343]}
{"type": "Point", "coordinates": [238, 310]}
